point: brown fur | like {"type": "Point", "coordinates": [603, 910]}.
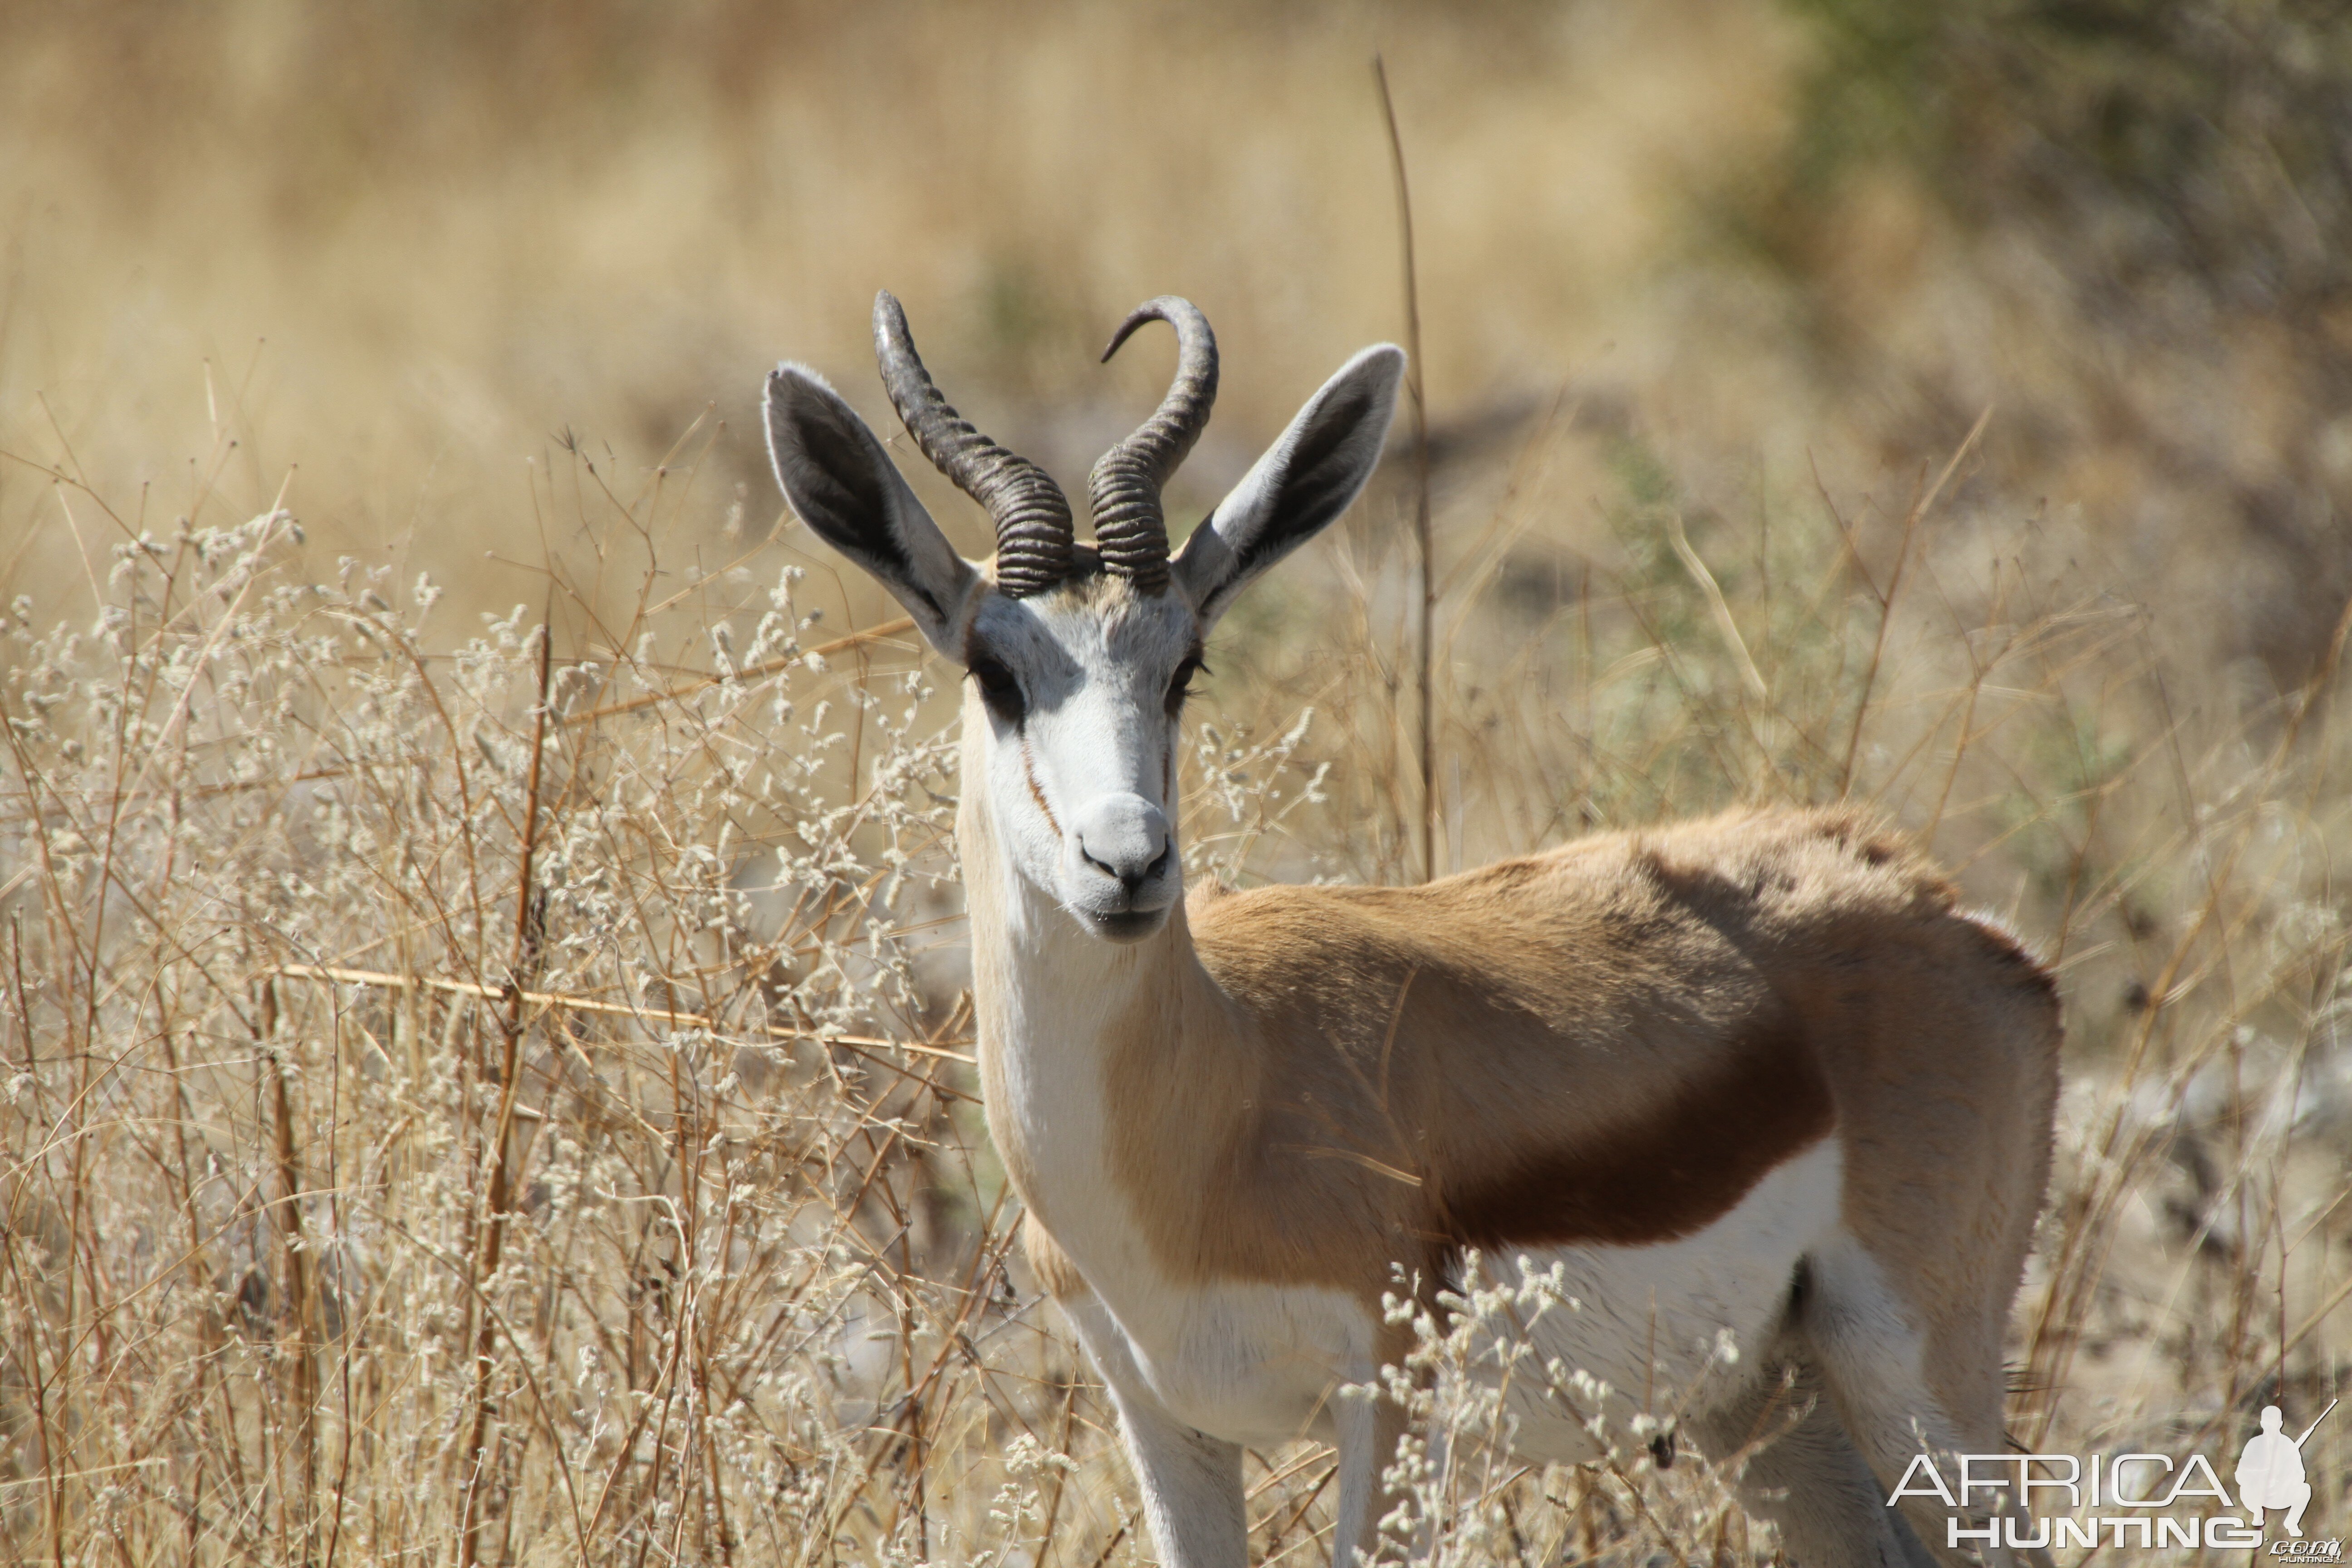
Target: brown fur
{"type": "Point", "coordinates": [1047, 1261]}
{"type": "Point", "coordinates": [1668, 1176]}
{"type": "Point", "coordinates": [1029, 772]}
{"type": "Point", "coordinates": [1610, 1042]}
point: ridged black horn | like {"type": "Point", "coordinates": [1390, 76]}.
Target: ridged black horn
{"type": "Point", "coordinates": [1130, 529]}
{"type": "Point", "coordinates": [1032, 515]}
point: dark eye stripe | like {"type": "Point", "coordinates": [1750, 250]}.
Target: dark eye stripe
{"type": "Point", "coordinates": [1180, 685]}
{"type": "Point", "coordinates": [999, 688]}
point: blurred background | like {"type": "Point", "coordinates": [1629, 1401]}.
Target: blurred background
{"type": "Point", "coordinates": [403, 249]}
{"type": "Point", "coordinates": [1944, 409]}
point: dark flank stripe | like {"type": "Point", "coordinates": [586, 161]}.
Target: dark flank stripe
{"type": "Point", "coordinates": [1666, 1177]}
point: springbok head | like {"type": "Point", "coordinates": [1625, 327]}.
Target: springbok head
{"type": "Point", "coordinates": [1079, 655]}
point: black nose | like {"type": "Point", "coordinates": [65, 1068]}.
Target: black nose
{"type": "Point", "coordinates": [1125, 839]}
{"type": "Point", "coordinates": [1127, 876]}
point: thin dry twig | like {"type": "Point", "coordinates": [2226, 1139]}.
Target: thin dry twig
{"type": "Point", "coordinates": [1425, 639]}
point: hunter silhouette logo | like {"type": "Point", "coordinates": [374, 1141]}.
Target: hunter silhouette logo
{"type": "Point", "coordinates": [2125, 1499]}
{"type": "Point", "coordinates": [2270, 1472]}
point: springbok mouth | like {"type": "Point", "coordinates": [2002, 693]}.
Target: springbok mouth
{"type": "Point", "coordinates": [1126, 925]}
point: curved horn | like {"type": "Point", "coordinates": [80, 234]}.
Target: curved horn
{"type": "Point", "coordinates": [1032, 515]}
{"type": "Point", "coordinates": [1130, 530]}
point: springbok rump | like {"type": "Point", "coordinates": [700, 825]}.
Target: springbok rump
{"type": "Point", "coordinates": [1754, 1075]}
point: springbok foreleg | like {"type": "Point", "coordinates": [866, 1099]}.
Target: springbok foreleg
{"type": "Point", "coordinates": [1192, 1486]}
{"type": "Point", "coordinates": [1368, 1430]}
{"type": "Point", "coordinates": [1192, 1482]}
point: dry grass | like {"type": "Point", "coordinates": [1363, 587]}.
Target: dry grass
{"type": "Point", "coordinates": [488, 1082]}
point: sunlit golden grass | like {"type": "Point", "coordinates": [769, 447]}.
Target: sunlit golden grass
{"type": "Point", "coordinates": [487, 1065]}
{"type": "Point", "coordinates": [451, 1125]}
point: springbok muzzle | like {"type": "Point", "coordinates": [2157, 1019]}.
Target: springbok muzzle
{"type": "Point", "coordinates": [1123, 837]}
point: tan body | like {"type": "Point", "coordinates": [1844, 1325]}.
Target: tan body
{"type": "Point", "coordinates": [1592, 1051]}
{"type": "Point", "coordinates": [1607, 1043]}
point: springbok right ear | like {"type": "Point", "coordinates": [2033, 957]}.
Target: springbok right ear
{"type": "Point", "coordinates": [842, 483]}
{"type": "Point", "coordinates": [1300, 487]}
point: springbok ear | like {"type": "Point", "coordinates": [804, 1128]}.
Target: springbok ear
{"type": "Point", "coordinates": [843, 484]}
{"type": "Point", "coordinates": [1301, 485]}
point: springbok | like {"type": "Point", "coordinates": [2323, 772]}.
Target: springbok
{"type": "Point", "coordinates": [1754, 1075]}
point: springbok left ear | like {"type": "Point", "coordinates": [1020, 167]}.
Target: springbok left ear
{"type": "Point", "coordinates": [1300, 487]}
{"type": "Point", "coordinates": [842, 483]}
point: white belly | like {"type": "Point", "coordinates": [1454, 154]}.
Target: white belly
{"type": "Point", "coordinates": [1662, 1328]}
{"type": "Point", "coordinates": [1665, 1329]}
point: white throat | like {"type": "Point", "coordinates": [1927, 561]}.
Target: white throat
{"type": "Point", "coordinates": [1053, 1002]}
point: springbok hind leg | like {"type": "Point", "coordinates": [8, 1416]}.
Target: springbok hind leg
{"type": "Point", "coordinates": [1802, 1473]}
{"type": "Point", "coordinates": [1873, 1360]}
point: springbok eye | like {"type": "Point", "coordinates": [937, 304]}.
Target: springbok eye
{"type": "Point", "coordinates": [1180, 685]}
{"type": "Point", "coordinates": [999, 689]}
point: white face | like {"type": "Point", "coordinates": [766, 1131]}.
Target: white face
{"type": "Point", "coordinates": [1072, 725]}
{"type": "Point", "coordinates": [1077, 700]}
